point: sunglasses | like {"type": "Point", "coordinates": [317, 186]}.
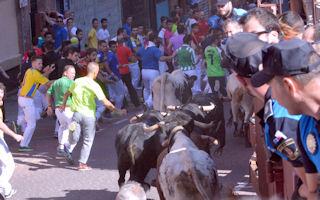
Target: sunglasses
{"type": "Point", "coordinates": [261, 32]}
{"type": "Point", "coordinates": [59, 21]}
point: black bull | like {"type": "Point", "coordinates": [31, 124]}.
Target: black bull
{"type": "Point", "coordinates": [138, 149]}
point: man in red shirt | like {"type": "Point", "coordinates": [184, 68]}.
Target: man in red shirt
{"type": "Point", "coordinates": [125, 56]}
{"type": "Point", "coordinates": [203, 26]}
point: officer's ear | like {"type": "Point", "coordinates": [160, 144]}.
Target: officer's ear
{"type": "Point", "coordinates": [242, 80]}
{"type": "Point", "coordinates": [291, 86]}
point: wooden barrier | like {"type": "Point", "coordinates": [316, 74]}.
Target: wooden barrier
{"type": "Point", "coordinates": [267, 178]}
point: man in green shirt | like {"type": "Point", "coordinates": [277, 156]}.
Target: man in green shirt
{"type": "Point", "coordinates": [185, 58]}
{"type": "Point", "coordinates": [56, 92]}
{"type": "Point", "coordinates": [215, 73]}
{"type": "Point", "coordinates": [84, 91]}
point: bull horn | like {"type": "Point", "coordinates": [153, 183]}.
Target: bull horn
{"type": "Point", "coordinates": [163, 113]}
{"type": "Point", "coordinates": [211, 139]}
{"type": "Point", "coordinates": [203, 125]}
{"type": "Point", "coordinates": [151, 128]}
{"type": "Point", "coordinates": [173, 107]}
{"type": "Point", "coordinates": [208, 108]}
{"type": "Point", "coordinates": [135, 118]}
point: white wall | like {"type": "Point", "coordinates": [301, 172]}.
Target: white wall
{"type": "Point", "coordinates": [9, 43]}
{"type": "Point", "coordinates": [86, 10]}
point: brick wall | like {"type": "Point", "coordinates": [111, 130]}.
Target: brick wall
{"type": "Point", "coordinates": [85, 10]}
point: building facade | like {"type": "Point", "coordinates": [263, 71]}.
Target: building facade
{"type": "Point", "coordinates": [21, 21]}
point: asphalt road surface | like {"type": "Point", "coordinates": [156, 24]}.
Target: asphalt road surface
{"type": "Point", "coordinates": [41, 175]}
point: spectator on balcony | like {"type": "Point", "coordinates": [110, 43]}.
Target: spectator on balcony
{"type": "Point", "coordinates": [70, 28]}
{"type": "Point", "coordinates": [60, 33]}
{"type": "Point", "coordinates": [41, 38]}
{"type": "Point", "coordinates": [128, 25]}
{"type": "Point", "coordinates": [92, 36]}
{"type": "Point", "coordinates": [103, 33]}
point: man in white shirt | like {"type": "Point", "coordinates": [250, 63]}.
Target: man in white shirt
{"type": "Point", "coordinates": [103, 33]}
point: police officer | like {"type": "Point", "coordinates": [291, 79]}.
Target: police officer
{"type": "Point", "coordinates": [280, 128]}
{"type": "Point", "coordinates": [292, 69]}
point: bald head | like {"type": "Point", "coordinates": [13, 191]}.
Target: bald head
{"type": "Point", "coordinates": [93, 69]}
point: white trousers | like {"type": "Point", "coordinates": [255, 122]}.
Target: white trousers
{"type": "Point", "coordinates": [30, 119]}
{"type": "Point", "coordinates": [40, 102]}
{"type": "Point", "coordinates": [195, 87]}
{"type": "Point", "coordinates": [148, 76]}
{"type": "Point", "coordinates": [163, 67]}
{"type": "Point", "coordinates": [135, 74]}
{"type": "Point", "coordinates": [65, 118]}
{"type": "Point", "coordinates": [117, 93]}
{"type": "Point", "coordinates": [6, 167]}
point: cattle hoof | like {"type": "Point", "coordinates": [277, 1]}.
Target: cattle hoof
{"type": "Point", "coordinates": [146, 186]}
{"type": "Point", "coordinates": [154, 183]}
{"type": "Point", "coordinates": [120, 183]}
{"type": "Point", "coordinates": [234, 134]}
{"type": "Point", "coordinates": [218, 151]}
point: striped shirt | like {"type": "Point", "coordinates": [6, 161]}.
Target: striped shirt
{"type": "Point", "coordinates": [186, 58]}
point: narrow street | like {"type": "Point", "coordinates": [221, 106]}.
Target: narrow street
{"type": "Point", "coordinates": [42, 175]}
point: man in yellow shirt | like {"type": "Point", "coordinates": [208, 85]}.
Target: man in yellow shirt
{"type": "Point", "coordinates": [84, 91]}
{"type": "Point", "coordinates": [31, 81]}
{"type": "Point", "coordinates": [92, 36]}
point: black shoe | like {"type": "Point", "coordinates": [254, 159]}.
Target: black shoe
{"type": "Point", "coordinates": [25, 149]}
{"type": "Point", "coordinates": [68, 156]}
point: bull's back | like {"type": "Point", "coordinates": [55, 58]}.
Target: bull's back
{"type": "Point", "coordinates": [188, 174]}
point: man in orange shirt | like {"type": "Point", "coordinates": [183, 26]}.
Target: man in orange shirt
{"type": "Point", "coordinates": [125, 56]}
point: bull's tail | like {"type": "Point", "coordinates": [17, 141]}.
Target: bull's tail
{"type": "Point", "coordinates": [162, 91]}
{"type": "Point", "coordinates": [132, 156]}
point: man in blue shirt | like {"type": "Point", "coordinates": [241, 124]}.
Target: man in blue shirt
{"type": "Point", "coordinates": [280, 128]}
{"type": "Point", "coordinates": [116, 89]}
{"type": "Point", "coordinates": [150, 57]}
{"type": "Point", "coordinates": [128, 25]}
{"type": "Point", "coordinates": [60, 33]}
{"type": "Point", "coordinates": [292, 69]}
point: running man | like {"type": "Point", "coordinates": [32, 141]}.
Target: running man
{"type": "Point", "coordinates": [6, 159]}
{"type": "Point", "coordinates": [56, 92]}
{"type": "Point", "coordinates": [31, 82]}
{"type": "Point", "coordinates": [84, 91]}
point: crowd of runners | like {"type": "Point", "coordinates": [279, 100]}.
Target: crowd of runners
{"type": "Point", "coordinates": [75, 80]}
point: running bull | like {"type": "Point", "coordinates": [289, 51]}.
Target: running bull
{"type": "Point", "coordinates": [172, 90]}
{"type": "Point", "coordinates": [139, 144]}
{"type": "Point", "coordinates": [212, 119]}
{"type": "Point", "coordinates": [187, 172]}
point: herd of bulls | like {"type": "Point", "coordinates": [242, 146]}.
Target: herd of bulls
{"type": "Point", "coordinates": [178, 143]}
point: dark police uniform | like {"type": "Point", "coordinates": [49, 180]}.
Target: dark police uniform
{"type": "Point", "coordinates": [280, 130]}
{"type": "Point", "coordinates": [308, 143]}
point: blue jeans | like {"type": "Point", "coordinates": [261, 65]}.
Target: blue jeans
{"type": "Point", "coordinates": [88, 125]}
{"type": "Point", "coordinates": [100, 108]}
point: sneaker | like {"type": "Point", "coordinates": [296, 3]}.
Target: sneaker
{"type": "Point", "coordinates": [11, 193]}
{"type": "Point", "coordinates": [67, 155]}
{"type": "Point", "coordinates": [60, 152]}
{"type": "Point", "coordinates": [84, 167]}
{"type": "Point", "coordinates": [25, 149]}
